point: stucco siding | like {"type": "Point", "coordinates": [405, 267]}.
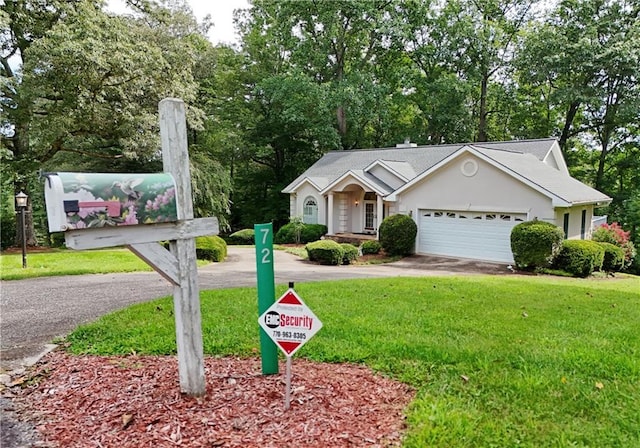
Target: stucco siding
{"type": "Point", "coordinates": [575, 221]}
{"type": "Point", "coordinates": [303, 193]}
{"type": "Point", "coordinates": [483, 188]}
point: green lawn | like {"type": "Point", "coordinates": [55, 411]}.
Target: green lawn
{"type": "Point", "coordinates": [72, 262]}
{"type": "Point", "coordinates": [496, 361]}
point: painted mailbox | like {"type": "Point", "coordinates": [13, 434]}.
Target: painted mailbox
{"type": "Point", "coordinates": [90, 200]}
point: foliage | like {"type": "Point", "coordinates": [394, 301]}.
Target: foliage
{"type": "Point", "coordinates": [325, 252]}
{"type": "Point", "coordinates": [350, 253]}
{"type": "Point", "coordinates": [613, 260]}
{"type": "Point", "coordinates": [398, 234]}
{"type": "Point", "coordinates": [211, 248]}
{"type": "Point", "coordinates": [472, 382]}
{"type": "Point", "coordinates": [370, 247]}
{"type": "Point", "coordinates": [614, 234]}
{"type": "Point", "coordinates": [534, 244]}
{"type": "Point", "coordinates": [312, 232]}
{"type": "Point", "coordinates": [580, 257]}
{"type": "Point", "coordinates": [287, 234]}
{"type": "Point", "coordinates": [244, 236]}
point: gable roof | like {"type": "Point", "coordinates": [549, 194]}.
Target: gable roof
{"type": "Point", "coordinates": [522, 159]}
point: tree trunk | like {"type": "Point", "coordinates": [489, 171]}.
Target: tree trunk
{"type": "Point", "coordinates": [568, 122]}
{"type": "Point", "coordinates": [482, 123]}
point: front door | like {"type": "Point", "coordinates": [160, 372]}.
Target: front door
{"type": "Point", "coordinates": [370, 218]}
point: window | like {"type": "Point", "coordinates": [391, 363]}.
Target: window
{"type": "Point", "coordinates": [310, 211]}
{"type": "Point", "coordinates": [451, 215]}
{"type": "Point", "coordinates": [583, 224]}
{"type": "Point", "coordinates": [565, 226]}
{"type": "Point", "coordinates": [490, 216]}
{"type": "Point", "coordinates": [505, 217]}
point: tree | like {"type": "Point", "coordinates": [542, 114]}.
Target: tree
{"type": "Point", "coordinates": [87, 90]}
{"type": "Point", "coordinates": [341, 44]}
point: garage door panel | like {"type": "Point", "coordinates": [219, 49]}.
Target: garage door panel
{"type": "Point", "coordinates": [485, 239]}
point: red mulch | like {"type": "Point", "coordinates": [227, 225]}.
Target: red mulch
{"type": "Point", "coordinates": [135, 401]}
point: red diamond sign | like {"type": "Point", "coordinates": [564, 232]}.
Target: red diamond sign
{"type": "Point", "coordinates": [289, 322]}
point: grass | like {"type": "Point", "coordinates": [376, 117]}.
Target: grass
{"type": "Point", "coordinates": [72, 262]}
{"type": "Point", "coordinates": [68, 262]}
{"type": "Point", "coordinates": [495, 361]}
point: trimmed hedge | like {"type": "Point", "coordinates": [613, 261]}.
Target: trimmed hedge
{"type": "Point", "coordinates": [613, 257]}
{"type": "Point", "coordinates": [325, 252]}
{"type": "Point", "coordinates": [535, 244]}
{"type": "Point", "coordinates": [370, 247]}
{"type": "Point", "coordinates": [308, 233]}
{"type": "Point", "coordinates": [244, 236]}
{"type": "Point", "coordinates": [398, 234]}
{"type": "Point", "coordinates": [580, 257]}
{"type": "Point", "coordinates": [211, 248]}
{"type": "Point", "coordinates": [350, 253]}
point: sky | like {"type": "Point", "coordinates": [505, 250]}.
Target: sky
{"type": "Point", "coordinates": [221, 12]}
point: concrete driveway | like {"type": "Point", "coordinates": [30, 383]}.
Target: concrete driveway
{"type": "Point", "coordinates": [36, 311]}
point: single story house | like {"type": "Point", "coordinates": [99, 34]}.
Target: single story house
{"type": "Point", "coordinates": [464, 198]}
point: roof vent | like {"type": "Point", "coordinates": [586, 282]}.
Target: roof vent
{"type": "Point", "coordinates": [407, 144]}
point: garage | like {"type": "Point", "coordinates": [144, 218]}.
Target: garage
{"type": "Point", "coordinates": [479, 235]}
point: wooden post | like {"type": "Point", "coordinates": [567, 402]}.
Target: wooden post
{"type": "Point", "coordinates": [186, 294]}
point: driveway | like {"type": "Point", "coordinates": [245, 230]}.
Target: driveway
{"type": "Point", "coordinates": [36, 311]}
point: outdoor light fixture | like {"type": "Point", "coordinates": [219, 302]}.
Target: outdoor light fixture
{"type": "Point", "coordinates": [356, 202]}
{"type": "Point", "coordinates": [21, 204]}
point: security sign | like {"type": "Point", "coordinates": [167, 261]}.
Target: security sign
{"type": "Point", "coordinates": [289, 322]}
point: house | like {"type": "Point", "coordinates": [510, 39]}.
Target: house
{"type": "Point", "coordinates": [464, 198]}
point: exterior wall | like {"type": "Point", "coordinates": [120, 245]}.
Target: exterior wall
{"type": "Point", "coordinates": [575, 221]}
{"type": "Point", "coordinates": [303, 193]}
{"type": "Point", "coordinates": [386, 177]}
{"type": "Point", "coordinates": [488, 189]}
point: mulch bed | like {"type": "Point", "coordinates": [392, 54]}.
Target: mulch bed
{"type": "Point", "coordinates": [135, 401]}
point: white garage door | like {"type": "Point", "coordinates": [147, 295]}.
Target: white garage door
{"type": "Point", "coordinates": [479, 235]}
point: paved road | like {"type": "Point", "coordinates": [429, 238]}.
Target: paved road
{"type": "Point", "coordinates": [36, 311]}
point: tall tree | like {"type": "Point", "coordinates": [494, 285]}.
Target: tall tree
{"type": "Point", "coordinates": [86, 89]}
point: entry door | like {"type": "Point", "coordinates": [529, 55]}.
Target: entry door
{"type": "Point", "coordinates": [370, 218]}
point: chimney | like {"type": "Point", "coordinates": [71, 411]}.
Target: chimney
{"type": "Point", "coordinates": [407, 144]}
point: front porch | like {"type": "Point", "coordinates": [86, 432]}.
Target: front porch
{"type": "Point", "coordinates": [351, 238]}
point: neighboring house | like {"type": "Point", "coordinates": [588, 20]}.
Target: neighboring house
{"type": "Point", "coordinates": [464, 198]}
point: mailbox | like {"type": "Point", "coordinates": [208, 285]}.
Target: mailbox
{"type": "Point", "coordinates": [91, 200]}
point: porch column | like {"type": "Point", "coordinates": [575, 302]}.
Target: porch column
{"type": "Point", "coordinates": [380, 215]}
{"type": "Point", "coordinates": [330, 215]}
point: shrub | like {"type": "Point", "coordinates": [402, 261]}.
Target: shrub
{"type": "Point", "coordinates": [7, 230]}
{"type": "Point", "coordinates": [350, 253]}
{"type": "Point", "coordinates": [614, 234]}
{"type": "Point", "coordinates": [325, 252]}
{"type": "Point", "coordinates": [580, 257]}
{"type": "Point", "coordinates": [312, 232]}
{"type": "Point", "coordinates": [211, 248]}
{"type": "Point", "coordinates": [535, 244]}
{"type": "Point", "coordinates": [244, 236]}
{"type": "Point", "coordinates": [398, 234]}
{"type": "Point", "coordinates": [57, 240]}
{"type": "Point", "coordinates": [613, 257]}
{"type": "Point", "coordinates": [288, 234]}
{"type": "Point", "coordinates": [370, 247]}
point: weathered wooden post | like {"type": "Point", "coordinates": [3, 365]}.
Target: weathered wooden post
{"type": "Point", "coordinates": [186, 294]}
{"type": "Point", "coordinates": [111, 219]}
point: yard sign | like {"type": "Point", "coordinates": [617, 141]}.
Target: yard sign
{"type": "Point", "coordinates": [290, 324]}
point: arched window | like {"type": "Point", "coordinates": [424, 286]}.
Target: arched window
{"type": "Point", "coordinates": [310, 211]}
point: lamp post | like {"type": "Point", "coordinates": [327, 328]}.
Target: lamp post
{"type": "Point", "coordinates": [21, 204]}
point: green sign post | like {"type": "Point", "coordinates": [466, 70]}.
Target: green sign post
{"type": "Point", "coordinates": [266, 292]}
